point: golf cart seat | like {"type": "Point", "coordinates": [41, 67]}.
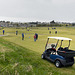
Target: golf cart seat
{"type": "Point", "coordinates": [60, 48]}
{"type": "Point", "coordinates": [51, 49]}
{"type": "Point", "coordinates": [66, 48]}
{"type": "Point", "coordinates": [65, 52]}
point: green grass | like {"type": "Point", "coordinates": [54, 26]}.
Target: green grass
{"type": "Point", "coordinates": [43, 32]}
{"type": "Point", "coordinates": [22, 61]}
{"type": "Point", "coordinates": [19, 57]}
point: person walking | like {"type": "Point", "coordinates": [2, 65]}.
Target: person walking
{"type": "Point", "coordinates": [23, 36]}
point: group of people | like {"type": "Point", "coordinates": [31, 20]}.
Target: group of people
{"type": "Point", "coordinates": [22, 35]}
{"type": "Point", "coordinates": [35, 36]}
{"type": "Point", "coordinates": [50, 32]}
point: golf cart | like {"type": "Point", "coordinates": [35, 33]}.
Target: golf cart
{"type": "Point", "coordinates": [61, 56]}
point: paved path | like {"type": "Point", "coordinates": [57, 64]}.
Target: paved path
{"type": "Point", "coordinates": [3, 35]}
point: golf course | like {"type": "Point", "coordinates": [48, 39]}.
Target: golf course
{"type": "Point", "coordinates": [23, 57]}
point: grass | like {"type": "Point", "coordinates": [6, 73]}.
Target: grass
{"type": "Point", "coordinates": [22, 61]}
{"type": "Point", "coordinates": [43, 34]}
{"type": "Point", "coordinates": [19, 57]}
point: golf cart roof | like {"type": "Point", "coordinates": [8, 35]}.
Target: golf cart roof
{"type": "Point", "coordinates": [60, 38]}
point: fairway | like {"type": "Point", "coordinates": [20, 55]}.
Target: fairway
{"type": "Point", "coordinates": [43, 32]}
{"type": "Point", "coordinates": [27, 53]}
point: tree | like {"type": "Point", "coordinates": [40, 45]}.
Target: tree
{"type": "Point", "coordinates": [52, 22]}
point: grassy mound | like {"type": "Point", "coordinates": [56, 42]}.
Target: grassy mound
{"type": "Point", "coordinates": [16, 60]}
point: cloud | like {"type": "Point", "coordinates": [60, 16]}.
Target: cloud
{"type": "Point", "coordinates": [62, 2]}
{"type": "Point", "coordinates": [38, 9]}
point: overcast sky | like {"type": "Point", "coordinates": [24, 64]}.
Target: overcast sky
{"type": "Point", "coordinates": [37, 10]}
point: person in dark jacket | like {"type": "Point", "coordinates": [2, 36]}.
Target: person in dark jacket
{"type": "Point", "coordinates": [3, 32]}
{"type": "Point", "coordinates": [55, 32]}
{"type": "Point", "coordinates": [22, 36]}
{"type": "Point", "coordinates": [50, 32]}
{"type": "Point", "coordinates": [16, 32]}
{"type": "Point", "coordinates": [36, 36]}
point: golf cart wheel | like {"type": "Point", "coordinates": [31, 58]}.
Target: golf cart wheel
{"type": "Point", "coordinates": [58, 64]}
{"type": "Point", "coordinates": [43, 56]}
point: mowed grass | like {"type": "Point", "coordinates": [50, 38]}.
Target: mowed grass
{"type": "Point", "coordinates": [43, 33]}
{"type": "Point", "coordinates": [20, 57]}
